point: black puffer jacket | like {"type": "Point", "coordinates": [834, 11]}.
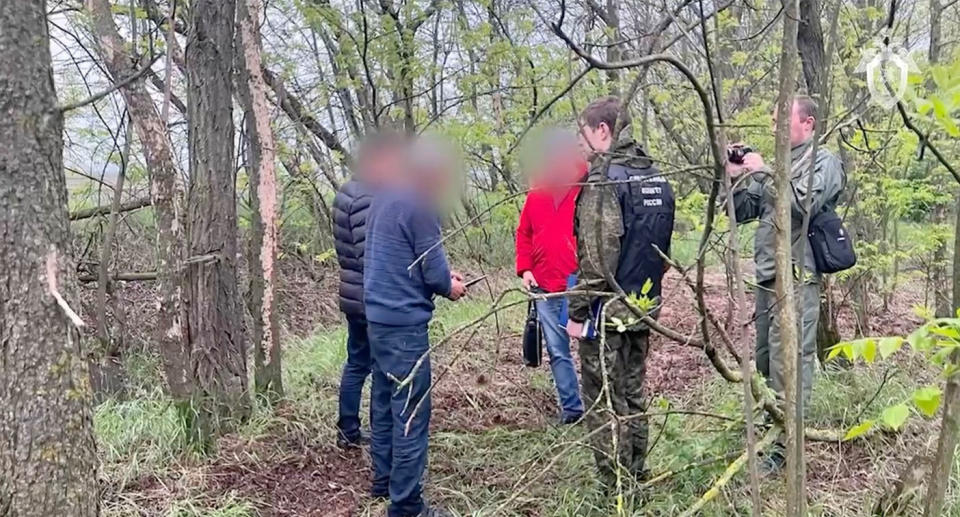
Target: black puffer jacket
{"type": "Point", "coordinates": [350, 208]}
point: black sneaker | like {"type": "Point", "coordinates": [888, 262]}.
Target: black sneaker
{"type": "Point", "coordinates": [571, 419]}
{"type": "Point", "coordinates": [344, 443]}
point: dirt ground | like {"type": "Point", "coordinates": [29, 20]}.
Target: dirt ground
{"type": "Point", "coordinates": [294, 471]}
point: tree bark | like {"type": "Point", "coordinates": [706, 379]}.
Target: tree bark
{"type": "Point", "coordinates": [941, 298]}
{"type": "Point", "coordinates": [956, 259]}
{"type": "Point", "coordinates": [48, 459]}
{"type": "Point", "coordinates": [943, 463]}
{"type": "Point", "coordinates": [810, 46]}
{"type": "Point", "coordinates": [166, 196]}
{"type": "Point", "coordinates": [261, 156]}
{"type": "Point", "coordinates": [784, 286]}
{"type": "Point", "coordinates": [217, 347]}
{"type": "Point", "coordinates": [614, 52]}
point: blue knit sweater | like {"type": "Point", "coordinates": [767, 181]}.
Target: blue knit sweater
{"type": "Point", "coordinates": [401, 226]}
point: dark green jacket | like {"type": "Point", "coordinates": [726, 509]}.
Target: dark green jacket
{"type": "Point", "coordinates": [755, 200]}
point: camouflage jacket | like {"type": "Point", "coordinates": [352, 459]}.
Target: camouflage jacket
{"type": "Point", "coordinates": [597, 201]}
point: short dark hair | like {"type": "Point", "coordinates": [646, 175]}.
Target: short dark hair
{"type": "Point", "coordinates": [605, 110]}
{"type": "Point", "coordinates": [806, 105]}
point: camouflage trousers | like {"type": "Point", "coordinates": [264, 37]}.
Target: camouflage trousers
{"type": "Point", "coordinates": [625, 360]}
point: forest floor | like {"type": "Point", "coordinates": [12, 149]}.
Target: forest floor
{"type": "Point", "coordinates": [494, 425]}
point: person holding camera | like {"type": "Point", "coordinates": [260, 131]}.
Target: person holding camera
{"type": "Point", "coordinates": [754, 200]}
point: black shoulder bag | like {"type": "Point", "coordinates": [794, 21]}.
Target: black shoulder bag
{"type": "Point", "coordinates": [532, 338]}
{"type": "Point", "coordinates": [831, 244]}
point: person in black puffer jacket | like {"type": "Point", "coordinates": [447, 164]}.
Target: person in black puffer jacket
{"type": "Point", "coordinates": [378, 157]}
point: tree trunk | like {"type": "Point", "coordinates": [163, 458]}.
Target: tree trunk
{"type": "Point", "coordinates": [784, 285]}
{"type": "Point", "coordinates": [811, 48]}
{"type": "Point", "coordinates": [262, 252]}
{"type": "Point", "coordinates": [828, 334]}
{"type": "Point", "coordinates": [217, 348]}
{"type": "Point", "coordinates": [941, 298]}
{"type": "Point", "coordinates": [48, 461]}
{"type": "Point", "coordinates": [939, 478]}
{"type": "Point", "coordinates": [956, 259]}
{"type": "Point", "coordinates": [614, 53]}
{"type": "Point", "coordinates": [166, 196]}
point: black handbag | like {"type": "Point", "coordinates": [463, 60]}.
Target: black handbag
{"type": "Point", "coordinates": [532, 338]}
{"type": "Point", "coordinates": [831, 244]}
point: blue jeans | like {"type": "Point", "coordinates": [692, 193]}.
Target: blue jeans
{"type": "Point", "coordinates": [355, 372]}
{"type": "Point", "coordinates": [552, 313]}
{"type": "Point", "coordinates": [399, 455]}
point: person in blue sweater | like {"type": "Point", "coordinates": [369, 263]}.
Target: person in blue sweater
{"type": "Point", "coordinates": [405, 267]}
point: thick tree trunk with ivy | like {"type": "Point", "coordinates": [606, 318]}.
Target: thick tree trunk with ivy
{"type": "Point", "coordinates": [48, 460]}
{"type": "Point", "coordinates": [217, 348]}
{"type": "Point", "coordinates": [166, 195]}
{"type": "Point", "coordinates": [261, 171]}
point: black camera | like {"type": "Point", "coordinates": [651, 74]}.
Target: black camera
{"type": "Point", "coordinates": [735, 153]}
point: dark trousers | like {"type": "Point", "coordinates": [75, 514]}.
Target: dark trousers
{"type": "Point", "coordinates": [355, 372]}
{"type": "Point", "coordinates": [625, 357]}
{"type": "Point", "coordinates": [399, 450]}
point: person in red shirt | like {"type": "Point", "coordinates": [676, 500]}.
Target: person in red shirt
{"type": "Point", "coordinates": [547, 256]}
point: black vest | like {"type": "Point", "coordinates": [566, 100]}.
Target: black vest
{"type": "Point", "coordinates": [647, 206]}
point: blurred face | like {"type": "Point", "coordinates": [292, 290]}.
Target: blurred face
{"type": "Point", "coordinates": [801, 126]}
{"type": "Point", "coordinates": [594, 140]}
{"type": "Point", "coordinates": [558, 167]}
{"type": "Point", "coordinates": [381, 166]}
{"type": "Point", "coordinates": [432, 170]}
{"type": "Point", "coordinates": [435, 181]}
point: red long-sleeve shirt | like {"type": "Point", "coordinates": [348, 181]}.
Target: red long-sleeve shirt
{"type": "Point", "coordinates": [546, 245]}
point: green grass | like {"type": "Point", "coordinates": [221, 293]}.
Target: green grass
{"type": "Point", "coordinates": [228, 507]}
{"type": "Point", "coordinates": [477, 473]}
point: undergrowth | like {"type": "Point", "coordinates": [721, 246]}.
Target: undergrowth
{"type": "Point", "coordinates": [147, 471]}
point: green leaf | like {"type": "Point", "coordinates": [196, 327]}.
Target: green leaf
{"type": "Point", "coordinates": [869, 350]}
{"type": "Point", "coordinates": [927, 400]}
{"type": "Point", "coordinates": [889, 346]}
{"type": "Point", "coordinates": [939, 109]}
{"type": "Point", "coordinates": [894, 416]}
{"type": "Point", "coordinates": [647, 286]}
{"type": "Point", "coordinates": [858, 430]}
{"type": "Point", "coordinates": [923, 312]}
{"type": "Point", "coordinates": [948, 332]}
{"type": "Point", "coordinates": [617, 322]}
{"type": "Point", "coordinates": [835, 351]}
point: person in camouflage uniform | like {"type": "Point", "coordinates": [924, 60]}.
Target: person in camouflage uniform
{"type": "Point", "coordinates": [624, 215]}
{"type": "Point", "coordinates": [754, 200]}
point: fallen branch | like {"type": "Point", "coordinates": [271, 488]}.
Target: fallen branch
{"type": "Point", "coordinates": [129, 206]}
{"type": "Point", "coordinates": [728, 474]}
